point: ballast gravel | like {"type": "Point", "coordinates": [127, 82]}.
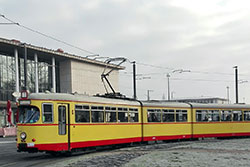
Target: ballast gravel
{"type": "Point", "coordinates": [203, 153]}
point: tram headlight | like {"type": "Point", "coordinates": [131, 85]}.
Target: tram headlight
{"type": "Point", "coordinates": [23, 135]}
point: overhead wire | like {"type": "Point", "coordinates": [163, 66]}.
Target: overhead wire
{"type": "Point", "coordinates": [49, 36]}
{"type": "Point", "coordinates": [189, 71]}
{"type": "Point", "coordinates": [138, 63]}
{"type": "Point", "coordinates": [155, 66]}
{"type": "Point", "coordinates": [206, 80]}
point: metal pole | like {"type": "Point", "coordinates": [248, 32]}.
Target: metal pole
{"type": "Point", "coordinates": [36, 74]}
{"type": "Point", "coordinates": [17, 71]}
{"type": "Point", "coordinates": [172, 95]}
{"type": "Point", "coordinates": [54, 74]}
{"type": "Point", "coordinates": [236, 84]}
{"type": "Point", "coordinates": [25, 67]}
{"type": "Point", "coordinates": [228, 94]}
{"type": "Point", "coordinates": [148, 96]}
{"type": "Point", "coordinates": [168, 87]}
{"type": "Point", "coordinates": [134, 79]}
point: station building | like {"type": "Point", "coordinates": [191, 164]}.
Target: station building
{"type": "Point", "coordinates": [40, 69]}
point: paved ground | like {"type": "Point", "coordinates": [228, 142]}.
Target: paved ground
{"type": "Point", "coordinates": [222, 153]}
{"type": "Point", "coordinates": [219, 153]}
{"type": "Point", "coordinates": [9, 157]}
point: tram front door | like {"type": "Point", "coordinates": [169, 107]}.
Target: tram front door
{"type": "Point", "coordinates": [63, 121]}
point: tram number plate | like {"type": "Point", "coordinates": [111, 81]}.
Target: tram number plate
{"type": "Point", "coordinates": [30, 144]}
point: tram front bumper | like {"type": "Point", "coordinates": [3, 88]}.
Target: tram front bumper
{"type": "Point", "coordinates": [22, 147]}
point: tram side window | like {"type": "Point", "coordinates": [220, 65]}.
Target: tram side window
{"type": "Point", "coordinates": [181, 115]}
{"type": "Point", "coordinates": [246, 115]}
{"type": "Point", "coordinates": [215, 115]}
{"type": "Point", "coordinates": [154, 115]}
{"type": "Point", "coordinates": [47, 113]}
{"type": "Point", "coordinates": [110, 114]}
{"type": "Point", "coordinates": [198, 116]}
{"type": "Point", "coordinates": [226, 115]}
{"type": "Point", "coordinates": [168, 115]}
{"type": "Point", "coordinates": [202, 116]}
{"type": "Point", "coordinates": [122, 114]}
{"type": "Point", "coordinates": [237, 116]}
{"type": "Point", "coordinates": [97, 114]}
{"type": "Point", "coordinates": [133, 115]}
{"type": "Point", "coordinates": [82, 113]}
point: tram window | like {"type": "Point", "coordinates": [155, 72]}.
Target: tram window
{"type": "Point", "coordinates": [82, 113]}
{"type": "Point", "coordinates": [154, 115]}
{"type": "Point", "coordinates": [47, 113]}
{"type": "Point", "coordinates": [215, 115]}
{"type": "Point", "coordinates": [78, 107]}
{"type": "Point", "coordinates": [209, 115]}
{"type": "Point", "coordinates": [203, 116]}
{"type": "Point", "coordinates": [28, 114]}
{"type": "Point", "coordinates": [181, 115]}
{"type": "Point", "coordinates": [237, 116]}
{"type": "Point", "coordinates": [133, 115]}
{"type": "Point", "coordinates": [168, 116]}
{"type": "Point", "coordinates": [110, 114]}
{"type": "Point", "coordinates": [97, 114]}
{"type": "Point", "coordinates": [122, 115]}
{"type": "Point", "coordinates": [198, 115]}
{"type": "Point", "coordinates": [226, 115]}
{"type": "Point", "coordinates": [246, 115]}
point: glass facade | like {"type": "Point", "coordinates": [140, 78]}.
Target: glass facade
{"type": "Point", "coordinates": [8, 76]}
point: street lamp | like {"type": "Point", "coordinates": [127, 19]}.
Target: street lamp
{"type": "Point", "coordinates": [168, 76]}
{"type": "Point", "coordinates": [236, 84]}
{"type": "Point", "coordinates": [134, 79]}
{"type": "Point", "coordinates": [228, 94]}
{"type": "Point", "coordinates": [172, 95]}
{"type": "Point", "coordinates": [181, 71]}
{"type": "Point", "coordinates": [148, 91]}
{"type": "Point", "coordinates": [241, 81]}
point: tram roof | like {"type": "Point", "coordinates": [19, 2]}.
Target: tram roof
{"type": "Point", "coordinates": [165, 104]}
{"type": "Point", "coordinates": [220, 106]}
{"type": "Point", "coordinates": [195, 105]}
{"type": "Point", "coordinates": [102, 100]}
{"type": "Point", "coordinates": [81, 98]}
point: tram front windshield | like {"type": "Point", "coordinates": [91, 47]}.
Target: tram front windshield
{"type": "Point", "coordinates": [28, 114]}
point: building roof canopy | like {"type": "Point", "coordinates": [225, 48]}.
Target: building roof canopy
{"type": "Point", "coordinates": [8, 46]}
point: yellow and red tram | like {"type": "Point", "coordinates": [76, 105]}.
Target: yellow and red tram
{"type": "Point", "coordinates": [166, 121]}
{"type": "Point", "coordinates": [56, 122]}
{"type": "Point", "coordinates": [64, 122]}
{"type": "Point", "coordinates": [220, 120]}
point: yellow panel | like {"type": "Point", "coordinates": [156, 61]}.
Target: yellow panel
{"type": "Point", "coordinates": [167, 129]}
{"type": "Point", "coordinates": [104, 132]}
{"type": "Point", "coordinates": [210, 128]}
{"type": "Point", "coordinates": [42, 134]}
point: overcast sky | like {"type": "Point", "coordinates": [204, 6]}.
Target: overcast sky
{"type": "Point", "coordinates": [205, 37]}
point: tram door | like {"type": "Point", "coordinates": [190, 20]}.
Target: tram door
{"type": "Point", "coordinates": [63, 113]}
{"type": "Point", "coordinates": [62, 121]}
